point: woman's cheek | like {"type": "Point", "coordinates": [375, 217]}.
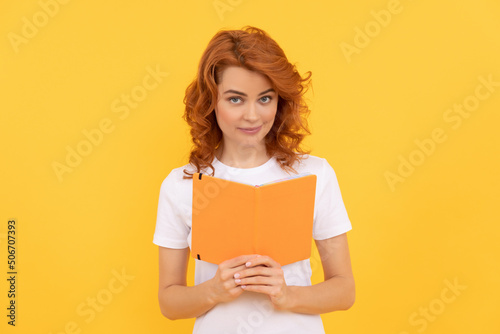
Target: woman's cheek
{"type": "Point", "coordinates": [226, 115]}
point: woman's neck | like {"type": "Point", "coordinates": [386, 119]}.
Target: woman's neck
{"type": "Point", "coordinates": [248, 158]}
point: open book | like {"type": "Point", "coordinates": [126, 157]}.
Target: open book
{"type": "Point", "coordinates": [232, 218]}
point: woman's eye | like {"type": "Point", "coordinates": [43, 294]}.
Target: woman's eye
{"type": "Point", "coordinates": [234, 99]}
{"type": "Point", "coordinates": [265, 99]}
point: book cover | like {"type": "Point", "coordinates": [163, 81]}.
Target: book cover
{"type": "Point", "coordinates": [232, 218]}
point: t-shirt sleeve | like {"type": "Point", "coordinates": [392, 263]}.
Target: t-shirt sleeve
{"type": "Point", "coordinates": [171, 228]}
{"type": "Point", "coordinates": [331, 216]}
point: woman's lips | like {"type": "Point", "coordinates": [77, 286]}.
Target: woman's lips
{"type": "Point", "coordinates": [250, 130]}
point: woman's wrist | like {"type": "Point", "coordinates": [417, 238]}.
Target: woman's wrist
{"type": "Point", "coordinates": [211, 294]}
{"type": "Point", "coordinates": [288, 304]}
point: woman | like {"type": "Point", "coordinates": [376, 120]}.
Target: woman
{"type": "Point", "coordinates": [247, 117]}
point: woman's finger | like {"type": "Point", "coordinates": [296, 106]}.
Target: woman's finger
{"type": "Point", "coordinates": [261, 260]}
{"type": "Point", "coordinates": [237, 261]}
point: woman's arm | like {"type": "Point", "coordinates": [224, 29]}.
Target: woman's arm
{"type": "Point", "coordinates": [337, 292]}
{"type": "Point", "coordinates": [176, 299]}
{"type": "Point", "coordinates": [179, 301]}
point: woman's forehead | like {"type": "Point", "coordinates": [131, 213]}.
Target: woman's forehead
{"type": "Point", "coordinates": [242, 79]}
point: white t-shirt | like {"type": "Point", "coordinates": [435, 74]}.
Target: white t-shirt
{"type": "Point", "coordinates": [251, 312]}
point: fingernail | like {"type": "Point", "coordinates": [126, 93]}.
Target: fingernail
{"type": "Point", "coordinates": [248, 264]}
{"type": "Point", "coordinates": [236, 275]}
{"type": "Point", "coordinates": [237, 280]}
{"type": "Point", "coordinates": [243, 286]}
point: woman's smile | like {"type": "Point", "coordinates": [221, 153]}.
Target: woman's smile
{"type": "Point", "coordinates": [251, 131]}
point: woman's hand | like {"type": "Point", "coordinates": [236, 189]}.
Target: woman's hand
{"type": "Point", "coordinates": [264, 275]}
{"type": "Point", "coordinates": [223, 285]}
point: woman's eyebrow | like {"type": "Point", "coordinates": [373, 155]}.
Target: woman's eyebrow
{"type": "Point", "coordinates": [243, 94]}
{"type": "Point", "coordinates": [267, 91]}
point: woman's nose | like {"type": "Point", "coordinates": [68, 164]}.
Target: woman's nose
{"type": "Point", "coordinates": [251, 112]}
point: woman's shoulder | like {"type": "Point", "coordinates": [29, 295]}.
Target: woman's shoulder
{"type": "Point", "coordinates": [175, 177]}
{"type": "Point", "coordinates": [312, 162]}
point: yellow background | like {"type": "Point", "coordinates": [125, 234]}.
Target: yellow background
{"type": "Point", "coordinates": [409, 239]}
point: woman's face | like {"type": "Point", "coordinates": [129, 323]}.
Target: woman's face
{"type": "Point", "coordinates": [245, 108]}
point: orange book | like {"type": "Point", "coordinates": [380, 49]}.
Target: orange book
{"type": "Point", "coordinates": [232, 219]}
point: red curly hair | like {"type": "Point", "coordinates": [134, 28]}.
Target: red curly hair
{"type": "Point", "coordinates": [253, 49]}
